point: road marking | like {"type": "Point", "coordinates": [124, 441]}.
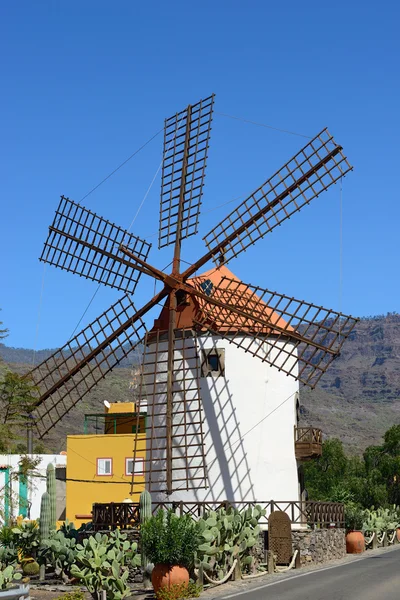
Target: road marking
{"type": "Point", "coordinates": [283, 580]}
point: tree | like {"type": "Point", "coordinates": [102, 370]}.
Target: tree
{"type": "Point", "coordinates": [325, 474]}
{"type": "Point", "coordinates": [373, 480]}
{"type": "Point", "coordinates": [17, 399]}
{"type": "Point", "coordinates": [3, 332]}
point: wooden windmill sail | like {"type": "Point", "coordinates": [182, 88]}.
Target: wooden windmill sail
{"type": "Point", "coordinates": [88, 245]}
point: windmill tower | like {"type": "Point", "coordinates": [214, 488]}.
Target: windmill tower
{"type": "Point", "coordinates": [221, 350]}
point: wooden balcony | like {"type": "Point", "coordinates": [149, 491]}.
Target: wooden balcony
{"type": "Point", "coordinates": [307, 443]}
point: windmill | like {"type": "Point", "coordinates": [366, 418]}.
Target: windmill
{"type": "Point", "coordinates": [296, 338]}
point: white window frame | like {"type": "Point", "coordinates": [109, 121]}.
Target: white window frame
{"type": "Point", "coordinates": [100, 466]}
{"type": "Point", "coordinates": [139, 466]}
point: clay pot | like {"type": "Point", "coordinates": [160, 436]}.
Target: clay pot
{"type": "Point", "coordinates": [167, 576]}
{"type": "Point", "coordinates": [355, 542]}
{"type": "Point", "coordinates": [398, 534]}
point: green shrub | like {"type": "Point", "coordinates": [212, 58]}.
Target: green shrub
{"type": "Point", "coordinates": [26, 538]}
{"type": "Point", "coordinates": [8, 555]}
{"type": "Point", "coordinates": [69, 530]}
{"type": "Point", "coordinates": [75, 595]}
{"type": "Point", "coordinates": [170, 539]}
{"type": "Point", "coordinates": [354, 517]}
{"type": "Point", "coordinates": [6, 535]}
{"type": "Point", "coordinates": [179, 591]}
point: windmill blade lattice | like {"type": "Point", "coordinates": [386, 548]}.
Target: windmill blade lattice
{"type": "Point", "coordinates": [187, 452]}
{"type": "Point", "coordinates": [70, 373]}
{"type": "Point", "coordinates": [186, 141]}
{"type": "Point", "coordinates": [299, 338]}
{"type": "Point", "coordinates": [81, 242]}
{"type": "Point", "coordinates": [311, 171]}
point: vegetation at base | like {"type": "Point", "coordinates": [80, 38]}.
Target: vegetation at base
{"type": "Point", "coordinates": [30, 568]}
{"type": "Point", "coordinates": [9, 577]}
{"type": "Point", "coordinates": [26, 538]}
{"type": "Point", "coordinates": [169, 539]}
{"type": "Point", "coordinates": [8, 553]}
{"type": "Point", "coordinates": [382, 519]}
{"type": "Point", "coordinates": [178, 591]}
{"type": "Point", "coordinates": [75, 595]}
{"type": "Point", "coordinates": [101, 563]}
{"type": "Point", "coordinates": [228, 535]}
{"type": "Point", "coordinates": [367, 481]}
{"type": "Point", "coordinates": [354, 517]}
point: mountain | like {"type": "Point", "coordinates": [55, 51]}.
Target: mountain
{"type": "Point", "coordinates": [29, 357]}
{"type": "Point", "coordinates": [357, 400]}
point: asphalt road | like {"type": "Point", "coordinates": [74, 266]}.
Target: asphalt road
{"type": "Point", "coordinates": [374, 577]}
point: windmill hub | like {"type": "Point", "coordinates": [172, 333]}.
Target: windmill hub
{"type": "Point", "coordinates": [173, 281]}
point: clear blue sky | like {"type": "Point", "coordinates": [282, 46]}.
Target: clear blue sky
{"type": "Point", "coordinates": [86, 83]}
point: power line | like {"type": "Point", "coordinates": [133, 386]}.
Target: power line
{"type": "Point", "coordinates": [239, 441]}
{"type": "Point", "coordinates": [38, 476]}
{"type": "Point", "coordinates": [206, 212]}
{"type": "Point", "coordinates": [39, 315]}
{"type": "Point", "coordinates": [309, 137]}
{"type": "Point", "coordinates": [122, 164]}
{"type": "Point", "coordinates": [95, 188]}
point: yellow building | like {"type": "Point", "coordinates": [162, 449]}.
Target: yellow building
{"type": "Point", "coordinates": [101, 461]}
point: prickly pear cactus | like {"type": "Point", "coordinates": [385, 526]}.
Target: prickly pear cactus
{"type": "Point", "coordinates": [227, 535]}
{"type": "Point", "coordinates": [380, 520]}
{"type": "Point", "coordinates": [51, 490]}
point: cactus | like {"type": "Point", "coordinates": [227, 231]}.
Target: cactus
{"type": "Point", "coordinates": [8, 577]}
{"type": "Point", "coordinates": [30, 568]}
{"type": "Point", "coordinates": [145, 514]}
{"type": "Point", "coordinates": [380, 520]}
{"type": "Point", "coordinates": [145, 506]}
{"type": "Point", "coordinates": [101, 564]}
{"type": "Point", "coordinates": [227, 535]}
{"type": "Point", "coordinates": [44, 523]}
{"type": "Point", "coordinates": [51, 490]}
{"type": "Point", "coordinates": [59, 552]}
{"type": "Point", "coordinates": [44, 528]}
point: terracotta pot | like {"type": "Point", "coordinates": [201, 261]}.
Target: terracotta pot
{"type": "Point", "coordinates": [167, 576]}
{"type": "Point", "coordinates": [398, 534]}
{"type": "Point", "coordinates": [355, 542]}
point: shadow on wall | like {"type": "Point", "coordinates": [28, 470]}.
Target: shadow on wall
{"type": "Point", "coordinates": [228, 468]}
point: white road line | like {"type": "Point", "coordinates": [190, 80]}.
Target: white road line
{"type": "Point", "coordinates": [284, 580]}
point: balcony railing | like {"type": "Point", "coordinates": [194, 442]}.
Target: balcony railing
{"type": "Point", "coordinates": [308, 443]}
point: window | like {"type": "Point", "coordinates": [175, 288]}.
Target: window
{"type": "Point", "coordinates": [104, 466]}
{"type": "Point", "coordinates": [207, 287]}
{"type": "Point", "coordinates": [213, 363]}
{"type": "Point", "coordinates": [139, 466]}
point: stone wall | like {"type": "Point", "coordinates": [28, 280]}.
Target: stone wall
{"type": "Point", "coordinates": [320, 545]}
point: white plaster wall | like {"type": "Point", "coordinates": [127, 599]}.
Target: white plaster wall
{"type": "Point", "coordinates": [36, 484]}
{"type": "Point", "coordinates": [249, 419]}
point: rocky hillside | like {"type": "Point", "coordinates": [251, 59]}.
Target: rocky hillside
{"type": "Point", "coordinates": [356, 400]}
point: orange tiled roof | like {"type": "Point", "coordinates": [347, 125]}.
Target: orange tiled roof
{"type": "Point", "coordinates": [220, 319]}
